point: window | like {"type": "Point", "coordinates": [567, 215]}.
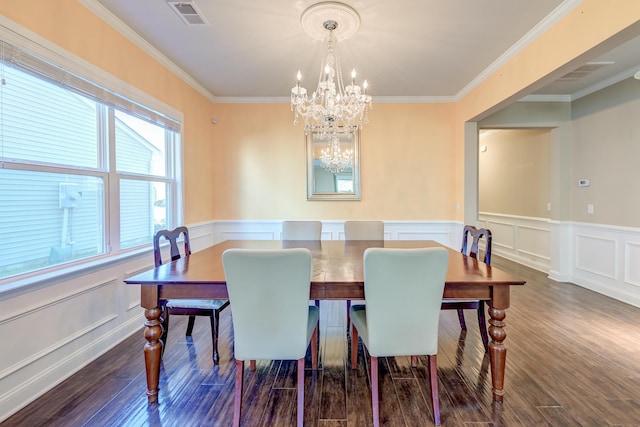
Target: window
{"type": "Point", "coordinates": [84, 172]}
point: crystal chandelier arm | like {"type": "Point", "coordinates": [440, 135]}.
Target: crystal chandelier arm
{"type": "Point", "coordinates": [333, 107]}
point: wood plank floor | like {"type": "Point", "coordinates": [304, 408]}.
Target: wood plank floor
{"type": "Point", "coordinates": [573, 360]}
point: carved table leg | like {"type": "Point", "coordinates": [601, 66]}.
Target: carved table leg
{"type": "Point", "coordinates": [153, 350]}
{"type": "Point", "coordinates": [497, 351]}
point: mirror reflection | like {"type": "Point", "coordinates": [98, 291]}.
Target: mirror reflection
{"type": "Point", "coordinates": [333, 165]}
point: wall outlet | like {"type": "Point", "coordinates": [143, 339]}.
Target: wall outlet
{"type": "Point", "coordinates": [589, 208]}
{"type": "Point", "coordinates": [548, 207]}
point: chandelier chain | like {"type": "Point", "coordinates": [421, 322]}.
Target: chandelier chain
{"type": "Point", "coordinates": [333, 108]}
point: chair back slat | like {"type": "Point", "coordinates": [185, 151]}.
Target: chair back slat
{"type": "Point", "coordinates": [172, 236]}
{"type": "Point", "coordinates": [476, 235]}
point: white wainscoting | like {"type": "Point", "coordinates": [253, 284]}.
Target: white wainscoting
{"type": "Point", "coordinates": [607, 260]}
{"type": "Point", "coordinates": [603, 258]}
{"type": "Point", "coordinates": [525, 240]}
{"type": "Point", "coordinates": [448, 233]}
{"type": "Point", "coordinates": [57, 324]}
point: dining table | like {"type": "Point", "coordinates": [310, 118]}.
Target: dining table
{"type": "Point", "coordinates": [337, 274]}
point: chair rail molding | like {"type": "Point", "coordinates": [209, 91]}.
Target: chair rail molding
{"type": "Point", "coordinates": [603, 258]}
{"type": "Point", "coordinates": [448, 233]}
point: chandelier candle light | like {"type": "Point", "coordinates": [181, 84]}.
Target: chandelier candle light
{"type": "Point", "coordinates": [332, 108]}
{"type": "Point", "coordinates": [334, 159]}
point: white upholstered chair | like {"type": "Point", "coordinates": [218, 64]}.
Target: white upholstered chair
{"type": "Point", "coordinates": [362, 230]}
{"type": "Point", "coordinates": [301, 230]}
{"type": "Point", "coordinates": [272, 319]}
{"type": "Point", "coordinates": [403, 291]}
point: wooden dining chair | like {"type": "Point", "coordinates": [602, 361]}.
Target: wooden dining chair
{"type": "Point", "coordinates": [402, 319]}
{"type": "Point", "coordinates": [476, 235]}
{"type": "Point", "coordinates": [301, 230]}
{"type": "Point", "coordinates": [272, 319]}
{"type": "Point", "coordinates": [187, 307]}
{"type": "Point", "coordinates": [362, 230]}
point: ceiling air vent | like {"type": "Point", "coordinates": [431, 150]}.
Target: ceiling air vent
{"type": "Point", "coordinates": [580, 72]}
{"type": "Point", "coordinates": [188, 12]}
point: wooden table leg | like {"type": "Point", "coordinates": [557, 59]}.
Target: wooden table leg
{"type": "Point", "coordinates": [497, 351]}
{"type": "Point", "coordinates": [153, 350]}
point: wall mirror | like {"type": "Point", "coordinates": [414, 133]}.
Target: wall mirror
{"type": "Point", "coordinates": [333, 165]}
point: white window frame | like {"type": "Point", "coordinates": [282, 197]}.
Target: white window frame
{"type": "Point", "coordinates": [26, 40]}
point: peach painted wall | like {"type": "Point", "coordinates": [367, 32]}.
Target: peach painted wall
{"type": "Point", "coordinates": [514, 172]}
{"type": "Point", "coordinates": [251, 164]}
{"type": "Point", "coordinates": [74, 28]}
{"type": "Point", "coordinates": [590, 29]}
{"type": "Point", "coordinates": [406, 165]}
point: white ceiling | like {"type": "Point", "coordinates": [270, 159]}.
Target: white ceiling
{"type": "Point", "coordinates": [407, 49]}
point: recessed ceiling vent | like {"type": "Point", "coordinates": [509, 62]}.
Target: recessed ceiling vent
{"type": "Point", "coordinates": [188, 12]}
{"type": "Point", "coordinates": [580, 72]}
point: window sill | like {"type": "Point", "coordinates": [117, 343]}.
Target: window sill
{"type": "Point", "coordinates": [24, 283]}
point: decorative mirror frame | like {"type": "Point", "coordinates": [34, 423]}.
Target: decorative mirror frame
{"type": "Point", "coordinates": [313, 141]}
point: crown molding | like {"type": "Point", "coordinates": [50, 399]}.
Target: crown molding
{"type": "Point", "coordinates": [23, 38]}
{"type": "Point", "coordinates": [550, 20]}
{"type": "Point", "coordinates": [558, 13]}
{"type": "Point", "coordinates": [376, 100]}
{"type": "Point", "coordinates": [252, 100]}
{"type": "Point", "coordinates": [413, 99]}
{"type": "Point", "coordinates": [110, 19]}
{"type": "Point", "coordinates": [584, 92]}
{"type": "Point", "coordinates": [546, 98]}
{"type": "Point", "coordinates": [604, 83]}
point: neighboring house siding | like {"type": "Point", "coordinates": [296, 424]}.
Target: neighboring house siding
{"type": "Point", "coordinates": [29, 121]}
{"type": "Point", "coordinates": [38, 225]}
{"type": "Point", "coordinates": [136, 224]}
{"type": "Point", "coordinates": [134, 153]}
{"type": "Point", "coordinates": [33, 221]}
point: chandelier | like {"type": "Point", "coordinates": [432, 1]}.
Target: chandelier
{"type": "Point", "coordinates": [334, 159]}
{"type": "Point", "coordinates": [332, 107]}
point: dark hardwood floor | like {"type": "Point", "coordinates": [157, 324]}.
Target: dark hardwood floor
{"type": "Point", "coordinates": [573, 360]}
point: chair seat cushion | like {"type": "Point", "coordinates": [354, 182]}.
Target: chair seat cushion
{"type": "Point", "coordinates": [201, 304]}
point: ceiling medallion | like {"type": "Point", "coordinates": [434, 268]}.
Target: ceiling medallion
{"type": "Point", "coordinates": [332, 107]}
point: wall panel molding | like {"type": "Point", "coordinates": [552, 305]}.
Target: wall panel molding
{"type": "Point", "coordinates": [631, 264]}
{"type": "Point", "coordinates": [520, 239]}
{"type": "Point", "coordinates": [546, 245]}
{"type": "Point", "coordinates": [596, 255]}
{"type": "Point", "coordinates": [603, 258]}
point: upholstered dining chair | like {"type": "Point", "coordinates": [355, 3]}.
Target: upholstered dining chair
{"type": "Point", "coordinates": [476, 235]}
{"type": "Point", "coordinates": [301, 230]}
{"type": "Point", "coordinates": [272, 318]}
{"type": "Point", "coordinates": [362, 230]}
{"type": "Point", "coordinates": [189, 307]}
{"type": "Point", "coordinates": [400, 320]}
